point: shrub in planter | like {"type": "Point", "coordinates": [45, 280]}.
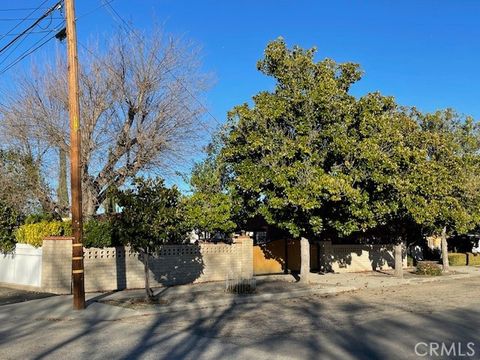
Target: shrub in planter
{"type": "Point", "coordinates": [473, 259]}
{"type": "Point", "coordinates": [431, 268]}
{"type": "Point", "coordinates": [457, 259]}
{"type": "Point", "coordinates": [33, 234]}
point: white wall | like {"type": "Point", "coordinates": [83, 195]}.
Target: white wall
{"type": "Point", "coordinates": [22, 267]}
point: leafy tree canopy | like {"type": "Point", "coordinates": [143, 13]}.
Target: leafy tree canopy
{"type": "Point", "coordinates": [151, 215]}
{"type": "Point", "coordinates": [312, 159]}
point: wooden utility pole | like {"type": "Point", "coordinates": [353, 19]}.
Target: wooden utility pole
{"type": "Point", "coordinates": [75, 158]}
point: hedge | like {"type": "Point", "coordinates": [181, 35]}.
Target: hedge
{"type": "Point", "coordinates": [473, 259]}
{"type": "Point", "coordinates": [33, 234]}
{"type": "Point", "coordinates": [457, 259]}
{"type": "Point", "coordinates": [431, 268]}
{"type": "Point", "coordinates": [95, 233]}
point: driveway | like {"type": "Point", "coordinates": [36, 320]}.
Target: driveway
{"type": "Point", "coordinates": [379, 323]}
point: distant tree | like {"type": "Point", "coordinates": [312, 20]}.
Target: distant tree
{"type": "Point", "coordinates": [22, 186]}
{"type": "Point", "coordinates": [62, 189]}
{"type": "Point", "coordinates": [151, 215]}
{"type": "Point", "coordinates": [442, 190]}
{"type": "Point", "coordinates": [9, 220]}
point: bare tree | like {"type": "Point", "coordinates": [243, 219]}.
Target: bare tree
{"type": "Point", "coordinates": [139, 110]}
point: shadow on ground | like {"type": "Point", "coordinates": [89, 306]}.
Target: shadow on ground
{"type": "Point", "coordinates": [377, 324]}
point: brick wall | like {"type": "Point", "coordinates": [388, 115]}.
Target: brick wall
{"type": "Point", "coordinates": [121, 268]}
{"type": "Point", "coordinates": [355, 258]}
{"type": "Point", "coordinates": [57, 266]}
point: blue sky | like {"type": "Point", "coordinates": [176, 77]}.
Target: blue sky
{"type": "Point", "coordinates": [424, 53]}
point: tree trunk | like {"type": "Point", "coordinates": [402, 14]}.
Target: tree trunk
{"type": "Point", "coordinates": [398, 259]}
{"type": "Point", "coordinates": [446, 265]}
{"type": "Point", "coordinates": [304, 260]}
{"type": "Point", "coordinates": [62, 190]}
{"type": "Point", "coordinates": [148, 290]}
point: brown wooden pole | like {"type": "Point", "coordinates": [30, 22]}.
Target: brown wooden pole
{"type": "Point", "coordinates": [75, 158]}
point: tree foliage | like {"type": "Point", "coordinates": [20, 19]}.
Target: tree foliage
{"type": "Point", "coordinates": [9, 220]}
{"type": "Point", "coordinates": [313, 159]}
{"type": "Point", "coordinates": [151, 215]}
{"type": "Point", "coordinates": [210, 208]}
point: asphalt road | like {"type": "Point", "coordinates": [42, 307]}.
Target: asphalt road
{"type": "Point", "coordinates": [368, 324]}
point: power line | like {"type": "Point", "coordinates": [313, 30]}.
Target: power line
{"type": "Point", "coordinates": [30, 14]}
{"type": "Point", "coordinates": [31, 32]}
{"type": "Point", "coordinates": [56, 29]}
{"type": "Point", "coordinates": [104, 3]}
{"type": "Point", "coordinates": [27, 53]}
{"type": "Point", "coordinates": [25, 9]}
{"type": "Point", "coordinates": [23, 19]}
{"type": "Point", "coordinates": [53, 8]}
{"type": "Point", "coordinates": [168, 70]}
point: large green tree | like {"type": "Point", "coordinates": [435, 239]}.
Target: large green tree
{"type": "Point", "coordinates": [314, 160]}
{"type": "Point", "coordinates": [291, 155]}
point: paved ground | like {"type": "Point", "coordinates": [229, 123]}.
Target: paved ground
{"type": "Point", "coordinates": [373, 323]}
{"type": "Point", "coordinates": [11, 296]}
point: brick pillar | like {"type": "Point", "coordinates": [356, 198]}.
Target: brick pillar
{"type": "Point", "coordinates": [326, 252]}
{"type": "Point", "coordinates": [247, 255]}
{"type": "Point", "coordinates": [57, 265]}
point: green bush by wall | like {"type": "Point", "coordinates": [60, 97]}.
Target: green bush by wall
{"type": "Point", "coordinates": [457, 259]}
{"type": "Point", "coordinates": [98, 234]}
{"type": "Point", "coordinates": [95, 233]}
{"type": "Point", "coordinates": [33, 234]}
{"type": "Point", "coordinates": [473, 260]}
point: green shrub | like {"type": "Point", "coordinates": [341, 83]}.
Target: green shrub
{"type": "Point", "coordinates": [430, 268]}
{"type": "Point", "coordinates": [409, 261]}
{"type": "Point", "coordinates": [457, 259]}
{"type": "Point", "coordinates": [33, 234]}
{"type": "Point", "coordinates": [98, 234]}
{"type": "Point", "coordinates": [36, 218]}
{"type": "Point", "coordinates": [9, 220]}
{"type": "Point", "coordinates": [473, 259]}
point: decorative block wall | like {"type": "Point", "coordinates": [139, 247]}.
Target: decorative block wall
{"type": "Point", "coordinates": [122, 268]}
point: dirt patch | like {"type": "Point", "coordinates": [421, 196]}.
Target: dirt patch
{"type": "Point", "coordinates": [12, 296]}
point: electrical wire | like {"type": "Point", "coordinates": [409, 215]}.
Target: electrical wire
{"type": "Point", "coordinates": [104, 3]}
{"type": "Point", "coordinates": [55, 29]}
{"type": "Point", "coordinates": [53, 8]}
{"type": "Point", "coordinates": [29, 52]}
{"type": "Point", "coordinates": [30, 14]}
